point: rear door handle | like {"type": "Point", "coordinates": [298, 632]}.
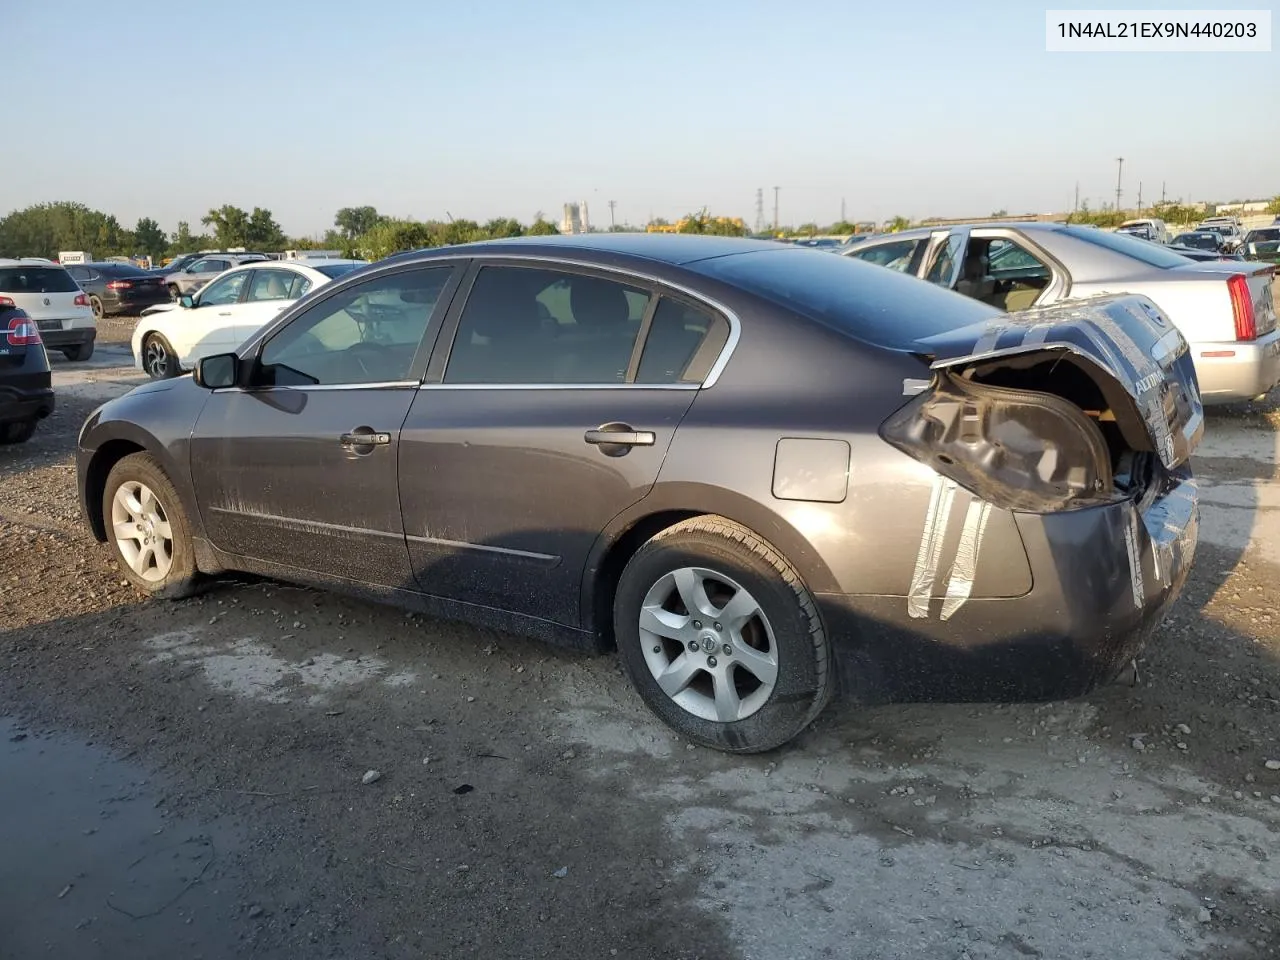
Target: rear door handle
{"type": "Point", "coordinates": [365, 439]}
{"type": "Point", "coordinates": [625, 437]}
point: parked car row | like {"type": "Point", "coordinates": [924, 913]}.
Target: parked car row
{"type": "Point", "coordinates": [761, 473]}
{"type": "Point", "coordinates": [1225, 310]}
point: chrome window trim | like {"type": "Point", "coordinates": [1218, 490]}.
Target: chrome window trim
{"type": "Point", "coordinates": [560, 386]}
{"type": "Point", "coordinates": [481, 257]}
{"type": "Point", "coordinates": [310, 388]}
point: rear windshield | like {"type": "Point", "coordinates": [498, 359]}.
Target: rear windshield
{"type": "Point", "coordinates": [1149, 253]}
{"type": "Point", "coordinates": [332, 270]}
{"type": "Point", "coordinates": [36, 280]}
{"type": "Point", "coordinates": [871, 303]}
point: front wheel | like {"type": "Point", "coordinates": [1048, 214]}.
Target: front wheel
{"type": "Point", "coordinates": [721, 638]}
{"type": "Point", "coordinates": [158, 359]}
{"type": "Point", "coordinates": [147, 528]}
{"type": "Point", "coordinates": [174, 293]}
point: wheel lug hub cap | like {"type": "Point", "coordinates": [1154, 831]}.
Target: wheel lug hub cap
{"type": "Point", "coordinates": [710, 643]}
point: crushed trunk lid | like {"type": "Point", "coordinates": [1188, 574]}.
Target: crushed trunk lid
{"type": "Point", "coordinates": [1126, 337]}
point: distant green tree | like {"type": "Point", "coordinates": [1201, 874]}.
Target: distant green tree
{"type": "Point", "coordinates": [230, 226]}
{"type": "Point", "coordinates": [501, 227]}
{"type": "Point", "coordinates": [263, 233]}
{"type": "Point", "coordinates": [354, 221]}
{"type": "Point", "coordinates": [542, 228]}
{"type": "Point", "coordinates": [1274, 205]}
{"type": "Point", "coordinates": [149, 238]}
{"type": "Point", "coordinates": [898, 223]}
{"type": "Point", "coordinates": [841, 226]}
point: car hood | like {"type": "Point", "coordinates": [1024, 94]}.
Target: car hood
{"type": "Point", "coordinates": [159, 308]}
{"type": "Point", "coordinates": [1125, 336]}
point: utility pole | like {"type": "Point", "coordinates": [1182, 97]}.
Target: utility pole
{"type": "Point", "coordinates": [612, 204]}
{"type": "Point", "coordinates": [842, 209]}
{"type": "Point", "coordinates": [775, 208]}
{"type": "Point", "coordinates": [1139, 198]}
{"type": "Point", "coordinates": [1077, 206]}
{"type": "Point", "coordinates": [1162, 193]}
{"type": "Point", "coordinates": [1119, 171]}
{"type": "Point", "coordinates": [759, 209]}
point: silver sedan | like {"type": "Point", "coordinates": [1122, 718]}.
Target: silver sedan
{"type": "Point", "coordinates": [1225, 310]}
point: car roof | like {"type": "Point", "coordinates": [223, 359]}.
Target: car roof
{"type": "Point", "coordinates": [29, 262]}
{"type": "Point", "coordinates": [674, 249]}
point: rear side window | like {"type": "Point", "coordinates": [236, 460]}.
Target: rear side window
{"type": "Point", "coordinates": [36, 280]}
{"type": "Point", "coordinates": [896, 255]}
{"type": "Point", "coordinates": [682, 344]}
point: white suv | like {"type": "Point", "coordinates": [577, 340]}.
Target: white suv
{"type": "Point", "coordinates": [54, 301]}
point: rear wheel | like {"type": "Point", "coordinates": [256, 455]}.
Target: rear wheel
{"type": "Point", "coordinates": [81, 351]}
{"type": "Point", "coordinates": [174, 292]}
{"type": "Point", "coordinates": [158, 359]}
{"type": "Point", "coordinates": [147, 529]}
{"type": "Point", "coordinates": [721, 638]}
{"type": "Point", "coordinates": [96, 306]}
{"type": "Point", "coordinates": [17, 431]}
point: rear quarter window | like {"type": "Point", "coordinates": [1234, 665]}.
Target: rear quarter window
{"type": "Point", "coordinates": [36, 280]}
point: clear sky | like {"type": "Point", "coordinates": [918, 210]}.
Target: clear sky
{"type": "Point", "coordinates": [505, 108]}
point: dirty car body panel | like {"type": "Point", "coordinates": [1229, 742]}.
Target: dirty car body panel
{"type": "Point", "coordinates": [984, 504]}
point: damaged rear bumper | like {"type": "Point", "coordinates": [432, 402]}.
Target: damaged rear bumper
{"type": "Point", "coordinates": [1103, 578]}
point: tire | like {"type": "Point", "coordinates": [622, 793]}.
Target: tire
{"type": "Point", "coordinates": [80, 352]}
{"type": "Point", "coordinates": [17, 431]}
{"type": "Point", "coordinates": [96, 306]}
{"type": "Point", "coordinates": [174, 293]}
{"type": "Point", "coordinates": [157, 358]}
{"type": "Point", "coordinates": [133, 478]}
{"type": "Point", "coordinates": [784, 628]}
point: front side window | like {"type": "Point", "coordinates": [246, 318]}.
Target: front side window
{"type": "Point", "coordinates": [223, 291]}
{"type": "Point", "coordinates": [368, 333]}
{"type": "Point", "coordinates": [896, 255]}
{"type": "Point", "coordinates": [538, 326]}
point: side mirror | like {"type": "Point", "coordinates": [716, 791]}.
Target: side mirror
{"type": "Point", "coordinates": [187, 300]}
{"type": "Point", "coordinates": [218, 371]}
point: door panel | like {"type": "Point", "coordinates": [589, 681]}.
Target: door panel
{"type": "Point", "coordinates": [503, 496]}
{"type": "Point", "coordinates": [275, 481]}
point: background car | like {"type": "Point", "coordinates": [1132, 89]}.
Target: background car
{"type": "Point", "coordinates": [170, 338]}
{"type": "Point", "coordinates": [1208, 240]}
{"type": "Point", "coordinates": [1150, 228]}
{"type": "Point", "coordinates": [199, 272]}
{"type": "Point", "coordinates": [51, 297]}
{"type": "Point", "coordinates": [1262, 244]}
{"type": "Point", "coordinates": [1225, 310]}
{"type": "Point", "coordinates": [750, 468]}
{"type": "Point", "coordinates": [1226, 228]}
{"type": "Point", "coordinates": [26, 387]}
{"type": "Point", "coordinates": [115, 288]}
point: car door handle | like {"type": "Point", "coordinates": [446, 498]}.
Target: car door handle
{"type": "Point", "coordinates": [365, 439]}
{"type": "Point", "coordinates": [620, 435]}
{"type": "Point", "coordinates": [225, 313]}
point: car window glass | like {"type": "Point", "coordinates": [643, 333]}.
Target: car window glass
{"type": "Point", "coordinates": [525, 325]}
{"type": "Point", "coordinates": [942, 269]}
{"type": "Point", "coordinates": [682, 344]}
{"type": "Point", "coordinates": [271, 285]}
{"type": "Point", "coordinates": [368, 333]}
{"type": "Point", "coordinates": [79, 273]}
{"type": "Point", "coordinates": [37, 280]}
{"type": "Point", "coordinates": [1006, 255]}
{"type": "Point", "coordinates": [298, 286]}
{"type": "Point", "coordinates": [896, 255]}
{"type": "Point", "coordinates": [223, 291]}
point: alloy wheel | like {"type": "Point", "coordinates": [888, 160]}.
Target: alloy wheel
{"type": "Point", "coordinates": [155, 358]}
{"type": "Point", "coordinates": [708, 644]}
{"type": "Point", "coordinates": [142, 531]}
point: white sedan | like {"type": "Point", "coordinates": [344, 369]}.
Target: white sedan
{"type": "Point", "coordinates": [171, 337]}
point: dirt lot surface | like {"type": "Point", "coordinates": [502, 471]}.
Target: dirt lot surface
{"type": "Point", "coordinates": [187, 779]}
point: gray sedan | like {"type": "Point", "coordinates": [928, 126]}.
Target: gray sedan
{"type": "Point", "coordinates": [1225, 309]}
{"type": "Point", "coordinates": [196, 274]}
{"type": "Point", "coordinates": [760, 473]}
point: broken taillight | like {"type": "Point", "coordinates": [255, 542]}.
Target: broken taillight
{"type": "Point", "coordinates": [1016, 449]}
{"type": "Point", "coordinates": [22, 331]}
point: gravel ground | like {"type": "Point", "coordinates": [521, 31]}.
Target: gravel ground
{"type": "Point", "coordinates": [193, 773]}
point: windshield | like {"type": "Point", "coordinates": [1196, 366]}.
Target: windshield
{"type": "Point", "coordinates": [1151, 254]}
{"type": "Point", "coordinates": [332, 270]}
{"type": "Point", "coordinates": [1201, 241]}
{"type": "Point", "coordinates": [37, 280]}
{"type": "Point", "coordinates": [1269, 235]}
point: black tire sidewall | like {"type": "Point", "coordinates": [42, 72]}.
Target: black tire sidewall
{"type": "Point", "coordinates": [170, 362]}
{"type": "Point", "coordinates": [801, 683]}
{"type": "Point", "coordinates": [143, 468]}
